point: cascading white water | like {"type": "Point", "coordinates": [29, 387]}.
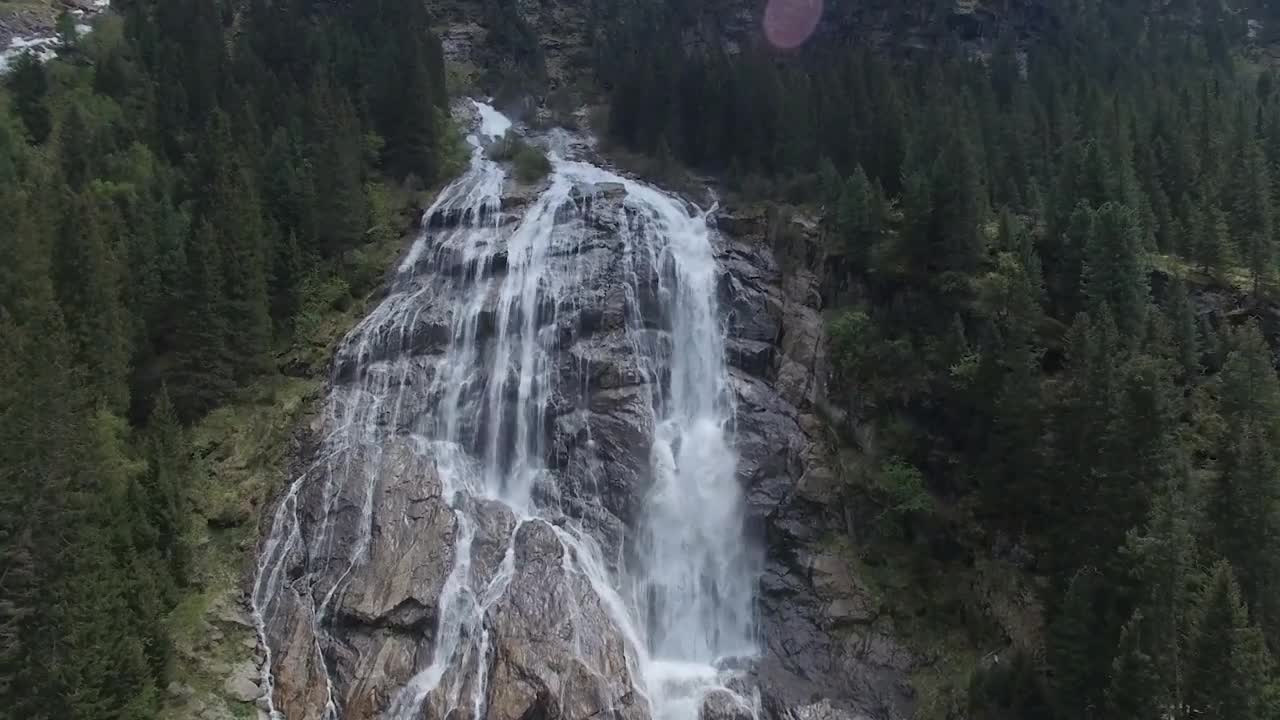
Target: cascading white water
{"type": "Point", "coordinates": [479, 412]}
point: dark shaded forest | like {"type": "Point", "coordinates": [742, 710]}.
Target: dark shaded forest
{"type": "Point", "coordinates": [182, 192]}
{"type": "Point", "coordinates": [1020, 244]}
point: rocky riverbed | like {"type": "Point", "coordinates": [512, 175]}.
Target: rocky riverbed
{"type": "Point", "coordinates": [28, 27]}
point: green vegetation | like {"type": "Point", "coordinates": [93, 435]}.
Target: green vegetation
{"type": "Point", "coordinates": [1035, 408]}
{"type": "Point", "coordinates": [531, 164]}
{"type": "Point", "coordinates": [188, 212]}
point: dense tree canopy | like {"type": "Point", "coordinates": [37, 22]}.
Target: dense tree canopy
{"type": "Point", "coordinates": [1024, 245]}
{"type": "Point", "coordinates": [170, 188]}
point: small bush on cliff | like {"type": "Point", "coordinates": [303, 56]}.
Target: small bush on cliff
{"type": "Point", "coordinates": [531, 164]}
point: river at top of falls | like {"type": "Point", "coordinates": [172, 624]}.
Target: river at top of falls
{"type": "Point", "coordinates": [683, 600]}
{"type": "Point", "coordinates": [45, 47]}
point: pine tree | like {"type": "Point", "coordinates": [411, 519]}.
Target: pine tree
{"type": "Point", "coordinates": [41, 436]}
{"type": "Point", "coordinates": [1115, 273]}
{"type": "Point", "coordinates": [1074, 648]}
{"type": "Point", "coordinates": [1250, 395]}
{"type": "Point", "coordinates": [287, 275]}
{"type": "Point", "coordinates": [414, 145]}
{"type": "Point", "coordinates": [203, 364]}
{"type": "Point", "coordinates": [1064, 262]}
{"type": "Point", "coordinates": [1211, 242]}
{"type": "Point", "coordinates": [29, 83]}
{"type": "Point", "coordinates": [913, 254]}
{"type": "Point", "coordinates": [854, 220]}
{"type": "Point", "coordinates": [166, 507]}
{"type": "Point", "coordinates": [78, 150]}
{"type": "Point", "coordinates": [1183, 322]}
{"type": "Point", "coordinates": [1134, 692]}
{"type": "Point", "coordinates": [87, 276]}
{"type": "Point", "coordinates": [340, 214]}
{"type": "Point", "coordinates": [1229, 659]}
{"type": "Point", "coordinates": [1244, 499]}
{"type": "Point", "coordinates": [1244, 508]}
{"type": "Point", "coordinates": [957, 206]}
{"type": "Point", "coordinates": [1163, 555]}
{"type": "Point", "coordinates": [68, 36]}
{"type": "Point", "coordinates": [830, 184]}
{"type": "Point", "coordinates": [235, 214]}
{"type": "Point", "coordinates": [1010, 298]}
{"type": "Point", "coordinates": [1251, 216]}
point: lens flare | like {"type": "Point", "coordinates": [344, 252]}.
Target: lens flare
{"type": "Point", "coordinates": [788, 23]}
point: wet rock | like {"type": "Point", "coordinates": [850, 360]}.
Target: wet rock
{"type": "Point", "coordinates": [824, 711]}
{"type": "Point", "coordinates": [557, 652]}
{"type": "Point", "coordinates": [724, 705]}
{"type": "Point", "coordinates": [410, 546]}
{"type": "Point", "coordinates": [754, 356]}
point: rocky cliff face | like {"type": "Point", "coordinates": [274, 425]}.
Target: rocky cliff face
{"type": "Point", "coordinates": [404, 578]}
{"type": "Point", "coordinates": [829, 653]}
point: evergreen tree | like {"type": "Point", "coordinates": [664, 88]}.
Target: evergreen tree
{"type": "Point", "coordinates": [1163, 555]}
{"type": "Point", "coordinates": [41, 437]}
{"type": "Point", "coordinates": [87, 278]}
{"type": "Point", "coordinates": [29, 84]}
{"type": "Point", "coordinates": [78, 150]}
{"type": "Point", "coordinates": [1115, 273]}
{"type": "Point", "coordinates": [854, 220]}
{"type": "Point", "coordinates": [1229, 659]}
{"type": "Point", "coordinates": [1134, 692]}
{"type": "Point", "coordinates": [958, 206]}
{"type": "Point", "coordinates": [1251, 217]}
{"type": "Point", "coordinates": [166, 507]}
{"type": "Point", "coordinates": [414, 145]}
{"type": "Point", "coordinates": [341, 217]}
{"type": "Point", "coordinates": [1211, 242]}
{"type": "Point", "coordinates": [1185, 328]}
{"type": "Point", "coordinates": [1074, 649]}
{"type": "Point", "coordinates": [235, 217]}
{"type": "Point", "coordinates": [204, 365]}
{"type": "Point", "coordinates": [1244, 499]}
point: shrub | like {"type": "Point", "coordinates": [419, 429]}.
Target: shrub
{"type": "Point", "coordinates": [531, 164]}
{"type": "Point", "coordinates": [900, 490]}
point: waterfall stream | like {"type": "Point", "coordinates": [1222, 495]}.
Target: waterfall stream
{"type": "Point", "coordinates": [486, 411]}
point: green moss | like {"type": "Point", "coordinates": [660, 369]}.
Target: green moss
{"type": "Point", "coordinates": [241, 460]}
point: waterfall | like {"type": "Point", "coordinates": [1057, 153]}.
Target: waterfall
{"type": "Point", "coordinates": [502, 293]}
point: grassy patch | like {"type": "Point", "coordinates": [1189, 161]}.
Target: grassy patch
{"type": "Point", "coordinates": [1236, 278]}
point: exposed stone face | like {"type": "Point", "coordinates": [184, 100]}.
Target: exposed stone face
{"type": "Point", "coordinates": [551, 659]}
{"type": "Point", "coordinates": [822, 631]}
{"type": "Point", "coordinates": [553, 649]}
